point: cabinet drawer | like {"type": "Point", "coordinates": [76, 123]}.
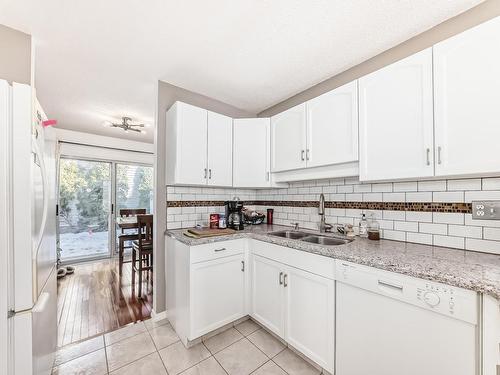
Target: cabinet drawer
{"type": "Point", "coordinates": [215, 250]}
{"type": "Point", "coordinates": [317, 264]}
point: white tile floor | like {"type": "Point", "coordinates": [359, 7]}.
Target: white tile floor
{"type": "Point", "coordinates": [153, 348]}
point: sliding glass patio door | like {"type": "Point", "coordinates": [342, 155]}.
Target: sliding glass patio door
{"type": "Point", "coordinates": [91, 195]}
{"type": "Point", "coordinates": [85, 192]}
{"type": "Point", "coordinates": [133, 190]}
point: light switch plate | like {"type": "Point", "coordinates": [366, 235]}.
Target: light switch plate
{"type": "Point", "coordinates": [486, 210]}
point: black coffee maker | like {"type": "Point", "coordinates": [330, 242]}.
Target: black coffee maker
{"type": "Point", "coordinates": [234, 216]}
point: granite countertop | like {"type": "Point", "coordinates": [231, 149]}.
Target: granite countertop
{"type": "Point", "coordinates": [471, 270]}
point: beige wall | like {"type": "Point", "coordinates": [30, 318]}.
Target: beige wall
{"type": "Point", "coordinates": [483, 12]}
{"type": "Point", "coordinates": [15, 55]}
{"type": "Point", "coordinates": [167, 95]}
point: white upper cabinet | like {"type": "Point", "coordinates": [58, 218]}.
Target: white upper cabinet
{"type": "Point", "coordinates": [288, 134]}
{"type": "Point", "coordinates": [467, 106]}
{"type": "Point", "coordinates": [396, 120]}
{"type": "Point", "coordinates": [199, 147]}
{"type": "Point", "coordinates": [220, 150]}
{"type": "Point", "coordinates": [252, 152]}
{"type": "Point", "coordinates": [332, 127]}
{"type": "Point", "coordinates": [186, 145]}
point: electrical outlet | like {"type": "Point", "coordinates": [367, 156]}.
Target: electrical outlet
{"type": "Point", "coordinates": [486, 210]}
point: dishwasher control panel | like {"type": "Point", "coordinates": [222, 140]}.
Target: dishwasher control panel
{"type": "Point", "coordinates": [440, 298]}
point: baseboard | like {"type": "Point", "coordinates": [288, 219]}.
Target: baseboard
{"type": "Point", "coordinates": [158, 316]}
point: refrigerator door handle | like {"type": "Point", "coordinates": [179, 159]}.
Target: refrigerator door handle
{"type": "Point", "coordinates": [45, 194]}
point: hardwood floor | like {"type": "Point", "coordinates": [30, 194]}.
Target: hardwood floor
{"type": "Point", "coordinates": [96, 299]}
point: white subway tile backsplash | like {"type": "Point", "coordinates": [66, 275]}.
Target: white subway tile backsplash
{"type": "Point", "coordinates": [419, 216]}
{"type": "Point", "coordinates": [345, 189]}
{"type": "Point", "coordinates": [468, 184]}
{"type": "Point", "coordinates": [394, 215]}
{"type": "Point", "coordinates": [382, 188]}
{"type": "Point", "coordinates": [372, 197]}
{"type": "Point", "coordinates": [448, 196]}
{"type": "Point", "coordinates": [356, 197]}
{"type": "Point", "coordinates": [448, 218]}
{"type": "Point", "coordinates": [337, 197]}
{"type": "Point", "coordinates": [422, 238]}
{"type": "Point", "coordinates": [491, 234]}
{"type": "Point", "coordinates": [484, 246]}
{"type": "Point", "coordinates": [386, 224]}
{"type": "Point", "coordinates": [465, 231]}
{"type": "Point", "coordinates": [432, 185]}
{"type": "Point", "coordinates": [352, 212]}
{"type": "Point", "coordinates": [447, 241]}
{"type": "Point", "coordinates": [419, 197]}
{"type": "Point", "coordinates": [441, 229]}
{"type": "Point", "coordinates": [405, 186]}
{"type": "Point", "coordinates": [394, 235]}
{"type": "Point", "coordinates": [483, 223]}
{"type": "Point", "coordinates": [433, 228]}
{"type": "Point", "coordinates": [481, 195]}
{"type": "Point", "coordinates": [393, 197]}
{"type": "Point", "coordinates": [363, 188]}
{"type": "Point", "coordinates": [406, 226]}
{"type": "Point", "coordinates": [491, 183]}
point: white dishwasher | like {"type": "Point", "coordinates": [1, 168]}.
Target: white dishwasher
{"type": "Point", "coordinates": [391, 324]}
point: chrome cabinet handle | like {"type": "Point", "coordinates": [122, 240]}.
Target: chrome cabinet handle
{"type": "Point", "coordinates": [242, 266]}
{"type": "Point", "coordinates": [307, 154]}
{"type": "Point", "coordinates": [285, 283]}
{"type": "Point", "coordinates": [221, 249]}
{"type": "Point", "coordinates": [428, 151]}
{"type": "Point", "coordinates": [439, 154]}
{"type": "Point", "coordinates": [267, 176]}
{"type": "Point", "coordinates": [281, 278]}
{"type": "Point", "coordinates": [302, 155]}
{"type": "Point", "coordinates": [210, 173]}
{"type": "Point", "coordinates": [205, 175]}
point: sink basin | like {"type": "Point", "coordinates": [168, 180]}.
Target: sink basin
{"type": "Point", "coordinates": [294, 235]}
{"type": "Point", "coordinates": [328, 241]}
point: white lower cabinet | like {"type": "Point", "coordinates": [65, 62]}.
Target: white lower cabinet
{"type": "Point", "coordinates": [217, 293]}
{"type": "Point", "coordinates": [296, 305]}
{"type": "Point", "coordinates": [267, 292]}
{"type": "Point", "coordinates": [310, 309]}
{"type": "Point", "coordinates": [206, 286]}
{"type": "Point", "coordinates": [290, 292]}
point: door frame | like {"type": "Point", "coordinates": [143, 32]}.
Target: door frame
{"type": "Point", "coordinates": [112, 209]}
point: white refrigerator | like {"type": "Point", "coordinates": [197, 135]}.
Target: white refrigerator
{"type": "Point", "coordinates": [29, 194]}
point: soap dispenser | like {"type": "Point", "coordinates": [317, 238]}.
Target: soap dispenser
{"type": "Point", "coordinates": [363, 226]}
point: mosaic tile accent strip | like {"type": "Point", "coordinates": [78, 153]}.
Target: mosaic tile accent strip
{"type": "Point", "coordinates": [195, 203]}
{"type": "Point", "coordinates": [449, 207]}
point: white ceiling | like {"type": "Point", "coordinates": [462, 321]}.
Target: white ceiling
{"type": "Point", "coordinates": [98, 60]}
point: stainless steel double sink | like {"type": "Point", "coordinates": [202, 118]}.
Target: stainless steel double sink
{"type": "Point", "coordinates": [311, 238]}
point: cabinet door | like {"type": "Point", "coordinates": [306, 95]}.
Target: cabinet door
{"type": "Point", "coordinates": [217, 294]}
{"type": "Point", "coordinates": [310, 315]}
{"type": "Point", "coordinates": [332, 127]}
{"type": "Point", "coordinates": [289, 139]}
{"type": "Point", "coordinates": [466, 82]}
{"type": "Point", "coordinates": [267, 294]}
{"type": "Point", "coordinates": [251, 152]}
{"type": "Point", "coordinates": [186, 144]}
{"type": "Point", "coordinates": [220, 150]}
{"type": "Point", "coordinates": [396, 120]}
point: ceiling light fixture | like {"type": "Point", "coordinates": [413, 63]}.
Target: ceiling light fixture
{"type": "Point", "coordinates": [127, 126]}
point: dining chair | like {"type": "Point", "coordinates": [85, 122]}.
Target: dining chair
{"type": "Point", "coordinates": [127, 234]}
{"type": "Point", "coordinates": [142, 250]}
